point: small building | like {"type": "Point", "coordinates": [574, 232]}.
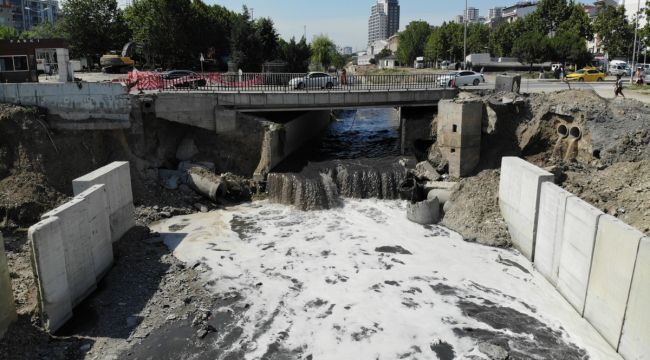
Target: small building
{"type": "Point", "coordinates": [21, 59]}
{"type": "Point", "coordinates": [389, 62]}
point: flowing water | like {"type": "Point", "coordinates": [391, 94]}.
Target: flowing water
{"type": "Point", "coordinates": [353, 278]}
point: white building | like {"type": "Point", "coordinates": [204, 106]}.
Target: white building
{"type": "Point", "coordinates": [631, 8]}
{"type": "Point", "coordinates": [472, 14]}
{"type": "Point", "coordinates": [384, 20]}
{"type": "Point", "coordinates": [495, 13]}
{"type": "Point", "coordinates": [458, 19]}
{"type": "Point", "coordinates": [519, 11]}
{"type": "Point", "coordinates": [346, 50]}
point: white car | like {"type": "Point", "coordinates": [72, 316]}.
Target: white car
{"type": "Point", "coordinates": [314, 80]}
{"type": "Point", "coordinates": [462, 78]}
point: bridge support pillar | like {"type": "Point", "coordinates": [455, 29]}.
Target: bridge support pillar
{"type": "Point", "coordinates": [415, 130]}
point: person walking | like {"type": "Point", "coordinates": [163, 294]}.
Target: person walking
{"type": "Point", "coordinates": [541, 73]}
{"type": "Point", "coordinates": [618, 89]}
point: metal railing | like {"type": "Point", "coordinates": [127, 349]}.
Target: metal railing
{"type": "Point", "coordinates": [293, 82]}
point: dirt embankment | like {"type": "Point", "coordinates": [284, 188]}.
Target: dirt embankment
{"type": "Point", "coordinates": [37, 166]}
{"type": "Point", "coordinates": [608, 166]}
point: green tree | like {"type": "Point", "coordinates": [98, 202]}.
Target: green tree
{"type": "Point", "coordinates": [323, 51]}
{"type": "Point", "coordinates": [93, 26]}
{"type": "Point", "coordinates": [616, 33]}
{"type": "Point", "coordinates": [268, 38]}
{"type": "Point", "coordinates": [384, 53]}
{"type": "Point", "coordinates": [478, 38]}
{"type": "Point", "coordinates": [245, 43]}
{"type": "Point", "coordinates": [570, 47]}
{"type": "Point", "coordinates": [577, 21]}
{"type": "Point", "coordinates": [531, 47]}
{"type": "Point", "coordinates": [295, 54]}
{"type": "Point", "coordinates": [434, 49]}
{"type": "Point", "coordinates": [7, 33]}
{"type": "Point", "coordinates": [44, 31]}
{"type": "Point", "coordinates": [412, 41]}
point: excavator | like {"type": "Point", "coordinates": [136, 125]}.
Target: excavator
{"type": "Point", "coordinates": [114, 63]}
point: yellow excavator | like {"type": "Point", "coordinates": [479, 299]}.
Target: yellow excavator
{"type": "Point", "coordinates": [114, 63]}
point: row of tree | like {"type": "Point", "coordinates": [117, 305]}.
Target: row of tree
{"type": "Point", "coordinates": [174, 33]}
{"type": "Point", "coordinates": [557, 31]}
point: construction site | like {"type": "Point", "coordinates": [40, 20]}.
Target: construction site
{"type": "Point", "coordinates": [493, 225]}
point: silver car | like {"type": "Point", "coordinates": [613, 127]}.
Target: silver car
{"type": "Point", "coordinates": [314, 80]}
{"type": "Point", "coordinates": [462, 78]}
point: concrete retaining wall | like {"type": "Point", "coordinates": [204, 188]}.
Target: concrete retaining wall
{"type": "Point", "coordinates": [519, 190]}
{"type": "Point", "coordinates": [635, 341]}
{"type": "Point", "coordinates": [7, 308]}
{"type": "Point", "coordinates": [598, 263]}
{"type": "Point", "coordinates": [578, 237]}
{"type": "Point", "coordinates": [72, 245]}
{"type": "Point", "coordinates": [77, 106]}
{"type": "Point", "coordinates": [550, 228]}
{"type": "Point", "coordinates": [612, 267]}
{"type": "Point", "coordinates": [117, 179]}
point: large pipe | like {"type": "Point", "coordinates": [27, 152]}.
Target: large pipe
{"type": "Point", "coordinates": [575, 133]}
{"type": "Point", "coordinates": [207, 184]}
{"type": "Point", "coordinates": [563, 131]}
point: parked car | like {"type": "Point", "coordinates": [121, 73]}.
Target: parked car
{"type": "Point", "coordinates": [462, 78]}
{"type": "Point", "coordinates": [619, 69]}
{"type": "Point", "coordinates": [314, 80]}
{"type": "Point", "coordinates": [184, 78]}
{"type": "Point", "coordinates": [586, 74]}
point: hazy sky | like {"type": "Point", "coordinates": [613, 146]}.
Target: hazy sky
{"type": "Point", "coordinates": [346, 21]}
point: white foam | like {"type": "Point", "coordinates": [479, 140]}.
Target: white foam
{"type": "Point", "coordinates": [328, 257]}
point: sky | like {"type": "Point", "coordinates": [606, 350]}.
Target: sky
{"type": "Point", "coordinates": [346, 21]}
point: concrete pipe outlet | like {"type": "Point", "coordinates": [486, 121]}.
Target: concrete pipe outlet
{"type": "Point", "coordinates": [563, 131]}
{"type": "Point", "coordinates": [575, 132]}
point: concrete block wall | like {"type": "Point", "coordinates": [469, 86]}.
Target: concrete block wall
{"type": "Point", "coordinates": [91, 106]}
{"type": "Point", "coordinates": [72, 245]}
{"type": "Point", "coordinates": [7, 307]}
{"type": "Point", "coordinates": [459, 135]}
{"type": "Point", "coordinates": [117, 179]}
{"type": "Point", "coordinates": [519, 189]}
{"type": "Point", "coordinates": [597, 262]}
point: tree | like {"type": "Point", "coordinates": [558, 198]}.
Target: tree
{"type": "Point", "coordinates": [7, 33]}
{"type": "Point", "coordinates": [616, 33]}
{"type": "Point", "coordinates": [412, 41]}
{"type": "Point", "coordinates": [268, 38]}
{"type": "Point", "coordinates": [531, 47]}
{"type": "Point", "coordinates": [570, 47]}
{"type": "Point", "coordinates": [295, 54]}
{"type": "Point", "coordinates": [478, 38]}
{"type": "Point", "coordinates": [384, 53]}
{"type": "Point", "coordinates": [577, 22]}
{"type": "Point", "coordinates": [434, 49]}
{"type": "Point", "coordinates": [93, 26]}
{"type": "Point", "coordinates": [323, 51]}
{"type": "Point", "coordinates": [44, 31]}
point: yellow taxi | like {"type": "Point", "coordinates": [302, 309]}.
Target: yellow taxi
{"type": "Point", "coordinates": [586, 74]}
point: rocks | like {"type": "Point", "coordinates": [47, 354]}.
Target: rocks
{"type": "Point", "coordinates": [202, 208]}
{"type": "Point", "coordinates": [425, 212]}
{"type": "Point", "coordinates": [425, 170]}
{"type": "Point", "coordinates": [493, 352]}
{"type": "Point", "coordinates": [442, 195]}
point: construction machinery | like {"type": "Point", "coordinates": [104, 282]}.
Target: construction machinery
{"type": "Point", "coordinates": [114, 63]}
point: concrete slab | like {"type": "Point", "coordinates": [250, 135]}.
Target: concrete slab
{"type": "Point", "coordinates": [7, 307]}
{"type": "Point", "coordinates": [615, 254]}
{"type": "Point", "coordinates": [48, 249]}
{"type": "Point", "coordinates": [579, 235]}
{"type": "Point", "coordinates": [550, 226]}
{"type": "Point", "coordinates": [117, 179]}
{"type": "Point", "coordinates": [98, 212]}
{"type": "Point", "coordinates": [77, 245]}
{"type": "Point", "coordinates": [519, 189]}
{"type": "Point", "coordinates": [635, 340]}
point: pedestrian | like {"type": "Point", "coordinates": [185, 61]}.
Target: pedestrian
{"type": "Point", "coordinates": [562, 72]}
{"type": "Point", "coordinates": [482, 69]}
{"type": "Point", "coordinates": [541, 73]}
{"type": "Point", "coordinates": [618, 89]}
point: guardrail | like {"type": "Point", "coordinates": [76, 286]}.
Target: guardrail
{"type": "Point", "coordinates": [286, 82]}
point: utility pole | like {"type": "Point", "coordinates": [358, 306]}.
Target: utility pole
{"type": "Point", "coordinates": [636, 33]}
{"type": "Point", "coordinates": [465, 38]}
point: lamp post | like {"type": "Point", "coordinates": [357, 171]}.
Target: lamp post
{"type": "Point", "coordinates": [36, 11]}
{"type": "Point", "coordinates": [465, 38]}
{"type": "Point", "coordinates": [636, 32]}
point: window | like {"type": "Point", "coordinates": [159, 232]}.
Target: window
{"type": "Point", "coordinates": [20, 63]}
{"type": "Point", "coordinates": [593, 71]}
{"type": "Point", "coordinates": [6, 63]}
{"type": "Point", "coordinates": [14, 63]}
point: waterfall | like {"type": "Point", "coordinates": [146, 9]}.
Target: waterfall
{"type": "Point", "coordinates": [321, 185]}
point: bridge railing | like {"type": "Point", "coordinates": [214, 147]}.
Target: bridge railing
{"type": "Point", "coordinates": [289, 82]}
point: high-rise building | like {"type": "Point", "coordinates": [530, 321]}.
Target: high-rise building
{"type": "Point", "coordinates": [495, 13]}
{"type": "Point", "coordinates": [472, 14]}
{"type": "Point", "coordinates": [631, 8]}
{"type": "Point", "coordinates": [384, 20]}
{"type": "Point", "coordinates": [458, 19]}
{"type": "Point", "coordinates": [29, 13]}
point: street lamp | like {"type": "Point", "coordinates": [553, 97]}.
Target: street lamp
{"type": "Point", "coordinates": [465, 38]}
{"type": "Point", "coordinates": [36, 11]}
{"type": "Point", "coordinates": [635, 58]}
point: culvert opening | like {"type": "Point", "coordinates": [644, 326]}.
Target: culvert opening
{"type": "Point", "coordinates": [563, 131]}
{"type": "Point", "coordinates": [596, 154]}
{"type": "Point", "coordinates": [575, 132]}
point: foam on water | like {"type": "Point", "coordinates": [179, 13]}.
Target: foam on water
{"type": "Point", "coordinates": [362, 282]}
